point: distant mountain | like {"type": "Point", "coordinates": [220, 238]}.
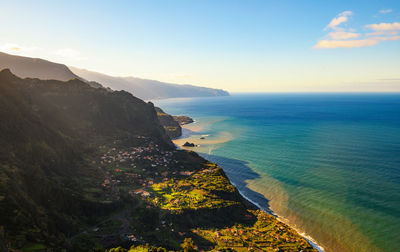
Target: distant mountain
{"type": "Point", "coordinates": [148, 89]}
{"type": "Point", "coordinates": [26, 67]}
{"type": "Point", "coordinates": [35, 68]}
{"type": "Point", "coordinates": [145, 89]}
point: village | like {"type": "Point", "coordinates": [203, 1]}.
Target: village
{"type": "Point", "coordinates": [136, 169]}
{"type": "Point", "coordinates": [177, 195]}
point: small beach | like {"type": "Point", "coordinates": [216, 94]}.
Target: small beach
{"type": "Point", "coordinates": [204, 143]}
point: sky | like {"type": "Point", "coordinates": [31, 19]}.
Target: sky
{"type": "Point", "coordinates": [239, 46]}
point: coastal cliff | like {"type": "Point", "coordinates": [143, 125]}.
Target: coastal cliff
{"type": "Point", "coordinates": [172, 124]}
{"type": "Point", "coordinates": [183, 120]}
{"type": "Point", "coordinates": [88, 169]}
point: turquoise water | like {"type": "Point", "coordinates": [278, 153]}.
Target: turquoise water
{"type": "Point", "coordinates": [327, 164]}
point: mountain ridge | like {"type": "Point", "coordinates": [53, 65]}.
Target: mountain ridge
{"type": "Point", "coordinates": [26, 67]}
{"type": "Point", "coordinates": [148, 89]}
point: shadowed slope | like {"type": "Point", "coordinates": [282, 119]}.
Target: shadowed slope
{"type": "Point", "coordinates": [35, 68]}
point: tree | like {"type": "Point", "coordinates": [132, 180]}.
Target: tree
{"type": "Point", "coordinates": [119, 249]}
{"type": "Point", "coordinates": [188, 245]}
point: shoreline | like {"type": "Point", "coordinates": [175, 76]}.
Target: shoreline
{"type": "Point", "coordinates": [279, 218]}
{"type": "Point", "coordinates": [310, 240]}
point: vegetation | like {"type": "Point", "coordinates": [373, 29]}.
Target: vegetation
{"type": "Point", "coordinates": [171, 126]}
{"type": "Point", "coordinates": [266, 234]}
{"type": "Point", "coordinates": [49, 134]}
{"type": "Point", "coordinates": [199, 190]}
{"type": "Point", "coordinates": [87, 169]}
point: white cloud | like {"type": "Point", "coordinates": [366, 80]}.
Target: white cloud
{"type": "Point", "coordinates": [338, 35]}
{"type": "Point", "coordinates": [384, 33]}
{"type": "Point", "coordinates": [339, 19]}
{"type": "Point", "coordinates": [392, 38]}
{"type": "Point", "coordinates": [384, 29]}
{"type": "Point", "coordinates": [395, 26]}
{"type": "Point", "coordinates": [385, 11]}
{"type": "Point", "coordinates": [326, 44]}
{"type": "Point", "coordinates": [340, 38]}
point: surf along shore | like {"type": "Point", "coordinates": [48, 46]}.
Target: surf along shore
{"type": "Point", "coordinates": [195, 133]}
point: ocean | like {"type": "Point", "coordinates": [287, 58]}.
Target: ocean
{"type": "Point", "coordinates": [326, 164]}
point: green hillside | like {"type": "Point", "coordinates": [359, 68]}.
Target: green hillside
{"type": "Point", "coordinates": [87, 169]}
{"type": "Point", "coordinates": [49, 132]}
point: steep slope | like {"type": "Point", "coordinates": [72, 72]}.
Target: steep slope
{"type": "Point", "coordinates": [171, 126]}
{"type": "Point", "coordinates": [49, 131]}
{"type": "Point", "coordinates": [35, 68]}
{"type": "Point", "coordinates": [26, 67]}
{"type": "Point", "coordinates": [148, 89]}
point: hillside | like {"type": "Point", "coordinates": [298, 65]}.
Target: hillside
{"type": "Point", "coordinates": [26, 67]}
{"type": "Point", "coordinates": [148, 89]}
{"type": "Point", "coordinates": [49, 132]}
{"type": "Point", "coordinates": [87, 169]}
{"type": "Point", "coordinates": [35, 68]}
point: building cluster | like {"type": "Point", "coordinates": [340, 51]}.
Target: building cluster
{"type": "Point", "coordinates": [138, 168]}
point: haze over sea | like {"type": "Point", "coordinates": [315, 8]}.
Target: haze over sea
{"type": "Point", "coordinates": [327, 164]}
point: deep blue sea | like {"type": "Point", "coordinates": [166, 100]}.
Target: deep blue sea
{"type": "Point", "coordinates": [326, 164]}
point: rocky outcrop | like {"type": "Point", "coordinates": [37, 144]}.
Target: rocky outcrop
{"type": "Point", "coordinates": [171, 126]}
{"type": "Point", "coordinates": [187, 144]}
{"type": "Point", "coordinates": [182, 120]}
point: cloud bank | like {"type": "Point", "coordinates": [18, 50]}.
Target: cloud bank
{"type": "Point", "coordinates": [339, 37]}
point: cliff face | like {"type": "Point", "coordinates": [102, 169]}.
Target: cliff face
{"type": "Point", "coordinates": [170, 124]}
{"type": "Point", "coordinates": [182, 120]}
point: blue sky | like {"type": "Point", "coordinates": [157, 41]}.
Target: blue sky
{"type": "Point", "coordinates": [240, 46]}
